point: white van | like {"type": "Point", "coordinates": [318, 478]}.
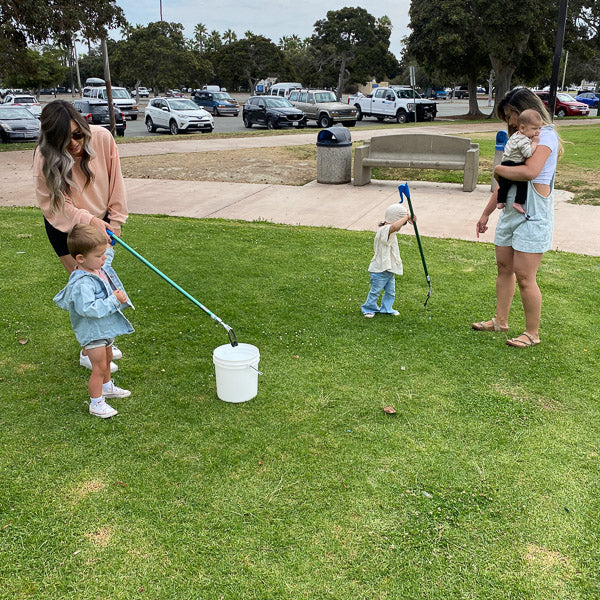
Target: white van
{"type": "Point", "coordinates": [283, 89]}
{"type": "Point", "coordinates": [121, 98]}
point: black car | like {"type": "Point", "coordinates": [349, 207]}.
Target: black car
{"type": "Point", "coordinates": [17, 124]}
{"type": "Point", "coordinates": [273, 112]}
{"type": "Point", "coordinates": [96, 113]}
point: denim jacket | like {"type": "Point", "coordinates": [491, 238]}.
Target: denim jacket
{"type": "Point", "coordinates": [94, 310]}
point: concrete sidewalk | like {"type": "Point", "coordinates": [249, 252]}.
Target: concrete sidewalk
{"type": "Point", "coordinates": [444, 210]}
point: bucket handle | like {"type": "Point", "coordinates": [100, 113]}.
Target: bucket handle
{"type": "Point", "coordinates": [259, 372]}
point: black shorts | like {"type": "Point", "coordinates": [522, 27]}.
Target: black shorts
{"type": "Point", "coordinates": [58, 239]}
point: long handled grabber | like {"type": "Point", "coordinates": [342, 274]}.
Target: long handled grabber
{"type": "Point", "coordinates": [404, 191]}
{"type": "Point", "coordinates": [230, 333]}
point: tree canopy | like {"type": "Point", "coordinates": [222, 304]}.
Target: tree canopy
{"type": "Point", "coordinates": [354, 43]}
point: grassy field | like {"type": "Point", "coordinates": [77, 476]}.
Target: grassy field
{"type": "Point", "coordinates": [484, 485]}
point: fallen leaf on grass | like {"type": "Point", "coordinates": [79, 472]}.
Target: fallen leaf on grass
{"type": "Point", "coordinates": [296, 356]}
{"type": "Point", "coordinates": [23, 341]}
{"type": "Point", "coordinates": [120, 483]}
{"type": "Point", "coordinates": [390, 410]}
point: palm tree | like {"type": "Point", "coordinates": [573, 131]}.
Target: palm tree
{"type": "Point", "coordinates": [229, 36]}
{"type": "Point", "coordinates": [200, 35]}
{"type": "Point", "coordinates": [213, 41]}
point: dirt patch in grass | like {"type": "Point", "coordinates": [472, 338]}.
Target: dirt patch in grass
{"type": "Point", "coordinates": [294, 165]}
{"type": "Point", "coordinates": [546, 560]}
{"type": "Point", "coordinates": [100, 538]}
{"type": "Point", "coordinates": [83, 490]}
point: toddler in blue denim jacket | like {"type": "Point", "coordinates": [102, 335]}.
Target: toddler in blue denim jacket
{"type": "Point", "coordinates": [94, 297]}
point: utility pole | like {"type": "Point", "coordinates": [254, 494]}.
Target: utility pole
{"type": "Point", "coordinates": [558, 47]}
{"type": "Point", "coordinates": [111, 108]}
{"type": "Point", "coordinates": [161, 10]}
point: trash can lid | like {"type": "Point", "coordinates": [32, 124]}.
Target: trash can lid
{"type": "Point", "coordinates": [334, 136]}
{"type": "Point", "coordinates": [501, 139]}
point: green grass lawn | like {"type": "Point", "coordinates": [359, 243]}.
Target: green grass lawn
{"type": "Point", "coordinates": [484, 485]}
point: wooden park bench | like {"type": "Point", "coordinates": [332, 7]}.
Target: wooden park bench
{"type": "Point", "coordinates": [418, 151]}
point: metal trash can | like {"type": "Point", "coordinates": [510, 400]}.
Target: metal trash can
{"type": "Point", "coordinates": [334, 155]}
{"type": "Point", "coordinates": [501, 139]}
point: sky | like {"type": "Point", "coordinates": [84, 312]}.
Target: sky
{"type": "Point", "coordinates": [271, 19]}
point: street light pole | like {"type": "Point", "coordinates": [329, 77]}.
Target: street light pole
{"type": "Point", "coordinates": [161, 10]}
{"type": "Point", "coordinates": [558, 47]}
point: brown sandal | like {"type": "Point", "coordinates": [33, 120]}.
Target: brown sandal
{"type": "Point", "coordinates": [517, 342]}
{"type": "Point", "coordinates": [484, 326]}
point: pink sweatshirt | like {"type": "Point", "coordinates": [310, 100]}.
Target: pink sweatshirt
{"type": "Point", "coordinates": [106, 192]}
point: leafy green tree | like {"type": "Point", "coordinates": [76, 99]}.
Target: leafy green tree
{"type": "Point", "coordinates": [92, 63]}
{"type": "Point", "coordinates": [157, 55]}
{"type": "Point", "coordinates": [38, 69]}
{"type": "Point", "coordinates": [36, 21]}
{"type": "Point", "coordinates": [354, 43]}
{"type": "Point", "coordinates": [246, 61]}
{"type": "Point", "coordinates": [446, 40]}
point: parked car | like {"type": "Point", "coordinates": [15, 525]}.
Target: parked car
{"type": "Point", "coordinates": [177, 115]}
{"type": "Point", "coordinates": [47, 91]}
{"type": "Point", "coordinates": [29, 102]}
{"type": "Point", "coordinates": [143, 92]}
{"type": "Point", "coordinates": [460, 92]}
{"type": "Point", "coordinates": [272, 112]}
{"type": "Point", "coordinates": [217, 103]}
{"type": "Point", "coordinates": [97, 114]}
{"type": "Point", "coordinates": [97, 94]}
{"type": "Point", "coordinates": [323, 107]}
{"type": "Point", "coordinates": [589, 98]}
{"type": "Point", "coordinates": [17, 124]}
{"type": "Point", "coordinates": [174, 94]}
{"type": "Point", "coordinates": [565, 105]}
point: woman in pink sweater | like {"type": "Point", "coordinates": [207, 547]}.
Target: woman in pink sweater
{"type": "Point", "coordinates": [77, 179]}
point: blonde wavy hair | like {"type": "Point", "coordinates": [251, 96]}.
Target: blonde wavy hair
{"type": "Point", "coordinates": [53, 143]}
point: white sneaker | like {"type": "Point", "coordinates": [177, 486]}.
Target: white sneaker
{"type": "Point", "coordinates": [102, 410]}
{"type": "Point", "coordinates": [368, 315]}
{"type": "Point", "coordinates": [117, 354]}
{"type": "Point", "coordinates": [85, 361]}
{"type": "Point", "coordinates": [394, 313]}
{"type": "Point", "coordinates": [114, 391]}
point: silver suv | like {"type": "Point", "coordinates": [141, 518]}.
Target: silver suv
{"type": "Point", "coordinates": [323, 107]}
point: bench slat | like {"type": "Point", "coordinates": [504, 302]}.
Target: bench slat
{"type": "Point", "coordinates": [413, 164]}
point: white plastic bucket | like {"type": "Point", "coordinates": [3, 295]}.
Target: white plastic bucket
{"type": "Point", "coordinates": [236, 370]}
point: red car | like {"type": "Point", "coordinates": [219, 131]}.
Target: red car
{"type": "Point", "coordinates": [566, 106]}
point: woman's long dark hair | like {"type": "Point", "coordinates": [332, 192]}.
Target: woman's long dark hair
{"type": "Point", "coordinates": [520, 99]}
{"type": "Point", "coordinates": [55, 137]}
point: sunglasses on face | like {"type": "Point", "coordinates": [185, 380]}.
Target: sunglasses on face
{"type": "Point", "coordinates": [77, 135]}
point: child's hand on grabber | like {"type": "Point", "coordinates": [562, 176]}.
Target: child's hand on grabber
{"type": "Point", "coordinates": [121, 296]}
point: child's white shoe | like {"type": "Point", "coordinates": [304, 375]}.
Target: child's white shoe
{"type": "Point", "coordinates": [117, 354]}
{"type": "Point", "coordinates": [85, 361]}
{"type": "Point", "coordinates": [368, 315]}
{"type": "Point", "coordinates": [102, 410]}
{"type": "Point", "coordinates": [110, 390]}
{"type": "Point", "coordinates": [394, 313]}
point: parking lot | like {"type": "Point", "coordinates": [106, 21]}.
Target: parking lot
{"type": "Point", "coordinates": [230, 124]}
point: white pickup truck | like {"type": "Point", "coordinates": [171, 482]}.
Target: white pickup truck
{"type": "Point", "coordinates": [395, 102]}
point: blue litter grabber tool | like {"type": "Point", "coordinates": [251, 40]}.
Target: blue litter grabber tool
{"type": "Point", "coordinates": [404, 191]}
{"type": "Point", "coordinates": [230, 333]}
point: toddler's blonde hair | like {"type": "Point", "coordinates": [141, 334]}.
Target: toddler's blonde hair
{"type": "Point", "coordinates": [83, 239]}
